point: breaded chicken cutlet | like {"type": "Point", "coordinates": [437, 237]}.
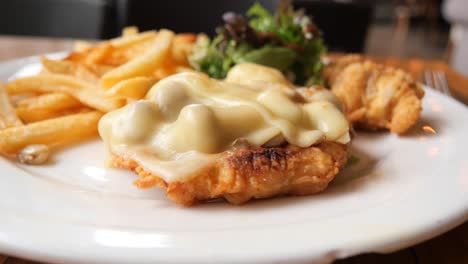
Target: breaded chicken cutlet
{"type": "Point", "coordinates": [250, 136]}
{"type": "Point", "coordinates": [375, 96]}
{"type": "Point", "coordinates": [254, 173]}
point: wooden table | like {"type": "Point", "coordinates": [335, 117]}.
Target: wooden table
{"type": "Point", "coordinates": [451, 247]}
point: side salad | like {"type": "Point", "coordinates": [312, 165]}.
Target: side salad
{"type": "Point", "coordinates": [287, 40]}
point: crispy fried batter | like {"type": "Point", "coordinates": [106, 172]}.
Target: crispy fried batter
{"type": "Point", "coordinates": [375, 96]}
{"type": "Point", "coordinates": [254, 173]}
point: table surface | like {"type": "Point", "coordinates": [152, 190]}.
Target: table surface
{"type": "Point", "coordinates": [451, 247]}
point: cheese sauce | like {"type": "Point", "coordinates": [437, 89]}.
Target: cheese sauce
{"type": "Point", "coordinates": [188, 119]}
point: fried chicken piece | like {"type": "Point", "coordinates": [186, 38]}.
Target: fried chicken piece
{"type": "Point", "coordinates": [375, 96]}
{"type": "Point", "coordinates": [336, 65]}
{"type": "Point", "coordinates": [253, 173]}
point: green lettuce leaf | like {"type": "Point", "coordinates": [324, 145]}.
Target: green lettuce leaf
{"type": "Point", "coordinates": [280, 58]}
{"type": "Point", "coordinates": [287, 40]}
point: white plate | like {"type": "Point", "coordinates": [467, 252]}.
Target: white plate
{"type": "Point", "coordinates": [404, 190]}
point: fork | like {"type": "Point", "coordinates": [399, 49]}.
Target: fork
{"type": "Point", "coordinates": [437, 80]}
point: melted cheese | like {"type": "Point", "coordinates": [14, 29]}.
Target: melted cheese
{"type": "Point", "coordinates": [253, 75]}
{"type": "Point", "coordinates": [188, 120]}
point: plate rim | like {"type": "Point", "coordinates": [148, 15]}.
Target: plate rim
{"type": "Point", "coordinates": [41, 255]}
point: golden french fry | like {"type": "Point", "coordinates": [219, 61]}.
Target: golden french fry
{"type": "Point", "coordinates": [129, 31]}
{"type": "Point", "coordinates": [98, 53]}
{"type": "Point", "coordinates": [165, 71]}
{"type": "Point", "coordinates": [29, 116]}
{"type": "Point", "coordinates": [42, 84]}
{"type": "Point", "coordinates": [82, 72]}
{"type": "Point", "coordinates": [99, 69]}
{"type": "Point", "coordinates": [52, 101]}
{"type": "Point", "coordinates": [182, 47]}
{"type": "Point", "coordinates": [83, 91]}
{"type": "Point", "coordinates": [185, 38]}
{"type": "Point", "coordinates": [8, 116]}
{"type": "Point", "coordinates": [130, 48]}
{"type": "Point", "coordinates": [58, 66]}
{"type": "Point", "coordinates": [59, 130]}
{"type": "Point", "coordinates": [93, 54]}
{"type": "Point", "coordinates": [135, 88]}
{"type": "Point", "coordinates": [78, 56]}
{"type": "Point", "coordinates": [69, 68]}
{"type": "Point", "coordinates": [81, 45]}
{"type": "Point", "coordinates": [126, 41]}
{"type": "Point", "coordinates": [122, 55]}
{"type": "Point", "coordinates": [15, 98]}
{"type": "Point", "coordinates": [180, 69]}
{"type": "Point", "coordinates": [143, 65]}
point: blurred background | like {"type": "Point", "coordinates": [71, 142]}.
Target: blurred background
{"type": "Point", "coordinates": [430, 29]}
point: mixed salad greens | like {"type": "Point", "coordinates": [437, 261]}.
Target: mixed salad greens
{"type": "Point", "coordinates": [287, 40]}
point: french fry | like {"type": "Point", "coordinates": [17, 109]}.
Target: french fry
{"type": "Point", "coordinates": [129, 31]}
{"type": "Point", "coordinates": [82, 72]}
{"type": "Point", "coordinates": [8, 116]}
{"type": "Point", "coordinates": [126, 41]}
{"type": "Point", "coordinates": [123, 55]}
{"type": "Point", "coordinates": [52, 101]}
{"type": "Point", "coordinates": [81, 45]}
{"type": "Point", "coordinates": [69, 68]}
{"type": "Point", "coordinates": [99, 69]}
{"type": "Point", "coordinates": [15, 98]}
{"type": "Point", "coordinates": [54, 131]}
{"type": "Point", "coordinates": [180, 69]}
{"type": "Point", "coordinates": [45, 107]}
{"type": "Point", "coordinates": [78, 56]}
{"type": "Point", "coordinates": [83, 91]}
{"type": "Point", "coordinates": [143, 65]}
{"type": "Point", "coordinates": [128, 48]}
{"type": "Point", "coordinates": [135, 88]}
{"type": "Point", "coordinates": [89, 54]}
{"type": "Point", "coordinates": [185, 38]}
{"type": "Point", "coordinates": [165, 71]}
{"type": "Point", "coordinates": [66, 100]}
{"type": "Point", "coordinates": [97, 54]}
{"type": "Point", "coordinates": [182, 47]}
{"type": "Point", "coordinates": [29, 116]}
{"type": "Point", "coordinates": [58, 66]}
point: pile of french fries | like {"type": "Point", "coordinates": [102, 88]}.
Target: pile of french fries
{"type": "Point", "coordinates": [64, 103]}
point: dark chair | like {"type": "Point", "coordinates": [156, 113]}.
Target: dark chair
{"type": "Point", "coordinates": [58, 18]}
{"type": "Point", "coordinates": [344, 24]}
{"type": "Point", "coordinates": [181, 15]}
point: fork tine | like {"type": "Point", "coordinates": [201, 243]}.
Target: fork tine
{"type": "Point", "coordinates": [443, 83]}
{"type": "Point", "coordinates": [437, 80]}
{"type": "Point", "coordinates": [437, 84]}
{"type": "Point", "coordinates": [427, 75]}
